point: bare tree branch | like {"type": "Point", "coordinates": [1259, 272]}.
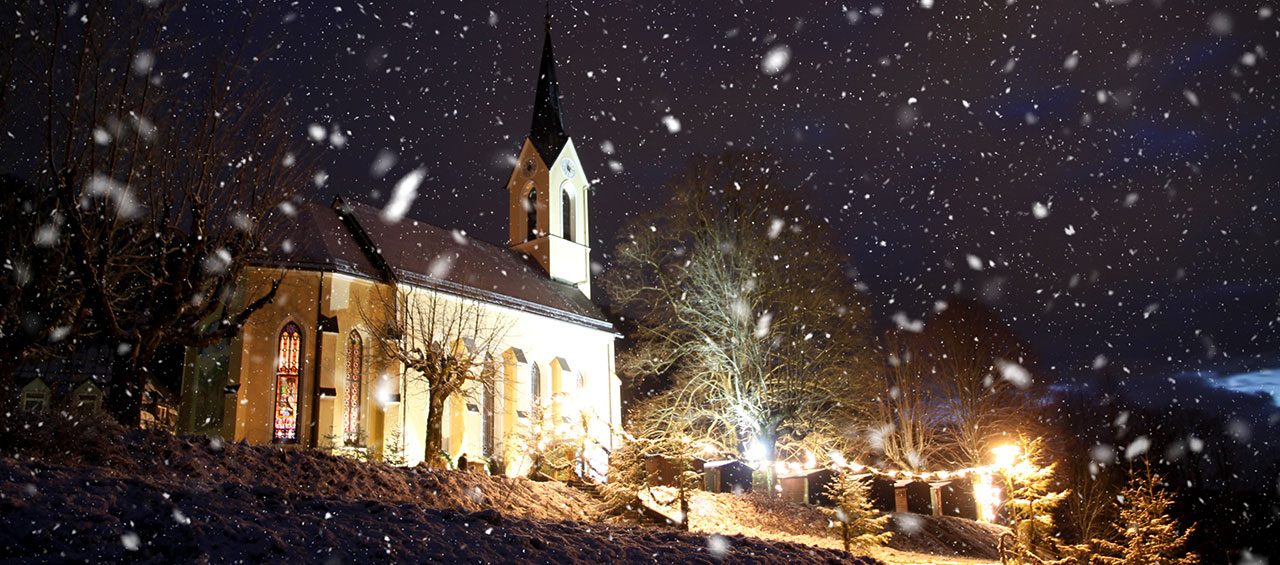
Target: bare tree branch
{"type": "Point", "coordinates": [447, 343]}
{"type": "Point", "coordinates": [741, 306]}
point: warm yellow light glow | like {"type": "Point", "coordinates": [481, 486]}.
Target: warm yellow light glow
{"type": "Point", "coordinates": [384, 392]}
{"type": "Point", "coordinates": [1006, 456]}
{"type": "Point", "coordinates": [837, 458]}
{"type": "Point", "coordinates": [987, 496]}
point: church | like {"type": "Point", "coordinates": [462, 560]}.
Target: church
{"type": "Point", "coordinates": [308, 370]}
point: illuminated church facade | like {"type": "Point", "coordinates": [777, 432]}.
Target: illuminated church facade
{"type": "Point", "coordinates": [307, 369]}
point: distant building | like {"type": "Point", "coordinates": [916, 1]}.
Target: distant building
{"type": "Point", "coordinates": [77, 384]}
{"type": "Point", "coordinates": [306, 370]}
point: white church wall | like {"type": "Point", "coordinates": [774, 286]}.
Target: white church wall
{"type": "Point", "coordinates": [541, 340]}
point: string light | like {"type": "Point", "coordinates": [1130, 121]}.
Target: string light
{"type": "Point", "coordinates": [919, 476]}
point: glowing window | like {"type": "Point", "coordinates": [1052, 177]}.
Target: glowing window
{"type": "Point", "coordinates": [354, 399]}
{"type": "Point", "coordinates": [285, 426]}
{"type": "Point", "coordinates": [535, 384]}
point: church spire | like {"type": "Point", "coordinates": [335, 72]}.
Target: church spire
{"type": "Point", "coordinates": [547, 131]}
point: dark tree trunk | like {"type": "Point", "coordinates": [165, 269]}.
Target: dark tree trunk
{"type": "Point", "coordinates": [124, 394]}
{"type": "Point", "coordinates": [129, 374]}
{"type": "Point", "coordinates": [435, 421]}
{"type": "Point", "coordinates": [8, 392]}
{"type": "Point", "coordinates": [684, 507]}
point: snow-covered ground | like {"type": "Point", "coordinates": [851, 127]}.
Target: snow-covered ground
{"type": "Point", "coordinates": [916, 538]}
{"type": "Point", "coordinates": [97, 493]}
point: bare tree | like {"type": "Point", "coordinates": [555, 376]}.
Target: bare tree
{"type": "Point", "coordinates": [984, 373]}
{"type": "Point", "coordinates": [38, 305]}
{"type": "Point", "coordinates": [742, 307]}
{"type": "Point", "coordinates": [444, 342]}
{"type": "Point", "coordinates": [906, 424]}
{"type": "Point", "coordinates": [157, 185]}
{"type": "Point", "coordinates": [1089, 509]}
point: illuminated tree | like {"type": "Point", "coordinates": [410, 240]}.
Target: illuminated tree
{"type": "Point", "coordinates": [1032, 499]}
{"type": "Point", "coordinates": [556, 447]}
{"type": "Point", "coordinates": [1147, 533]}
{"type": "Point", "coordinates": [905, 424]}
{"type": "Point", "coordinates": [861, 525]}
{"type": "Point", "coordinates": [742, 314]}
{"type": "Point", "coordinates": [982, 375]}
{"type": "Point", "coordinates": [443, 342]}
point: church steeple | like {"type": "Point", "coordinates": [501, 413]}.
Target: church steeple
{"type": "Point", "coordinates": [548, 190]}
{"type": "Point", "coordinates": [547, 131]}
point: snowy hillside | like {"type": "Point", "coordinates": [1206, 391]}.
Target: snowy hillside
{"type": "Point", "coordinates": [111, 495]}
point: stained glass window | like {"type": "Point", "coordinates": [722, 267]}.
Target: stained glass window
{"type": "Point", "coordinates": [285, 428]}
{"type": "Point", "coordinates": [488, 435]}
{"type": "Point", "coordinates": [355, 392]}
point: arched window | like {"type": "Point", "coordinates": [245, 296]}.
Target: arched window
{"type": "Point", "coordinates": [535, 384]}
{"type": "Point", "coordinates": [566, 212]}
{"type": "Point", "coordinates": [354, 400]}
{"type": "Point", "coordinates": [285, 425]}
{"type": "Point", "coordinates": [487, 413]}
{"type": "Point", "coordinates": [531, 214]}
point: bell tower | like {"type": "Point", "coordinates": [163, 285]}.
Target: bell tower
{"type": "Point", "coordinates": [548, 189]}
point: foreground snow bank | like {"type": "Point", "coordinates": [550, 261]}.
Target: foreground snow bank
{"type": "Point", "coordinates": [66, 513]}
{"type": "Point", "coordinates": [197, 461]}
{"type": "Point", "coordinates": [117, 496]}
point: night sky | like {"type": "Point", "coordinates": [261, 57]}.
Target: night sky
{"type": "Point", "coordinates": [1102, 174]}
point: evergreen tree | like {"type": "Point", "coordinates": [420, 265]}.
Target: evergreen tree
{"type": "Point", "coordinates": [1150, 536]}
{"type": "Point", "coordinates": [860, 523]}
{"type": "Point", "coordinates": [1031, 504]}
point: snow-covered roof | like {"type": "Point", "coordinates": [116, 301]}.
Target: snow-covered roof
{"type": "Point", "coordinates": [354, 239]}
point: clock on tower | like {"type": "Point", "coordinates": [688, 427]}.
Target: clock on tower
{"type": "Point", "coordinates": [548, 193]}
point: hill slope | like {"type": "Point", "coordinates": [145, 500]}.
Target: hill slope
{"type": "Point", "coordinates": [98, 493]}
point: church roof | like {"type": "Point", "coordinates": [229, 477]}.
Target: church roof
{"type": "Point", "coordinates": [352, 238]}
{"type": "Point", "coordinates": [547, 131]}
{"type": "Point", "coordinates": [314, 237]}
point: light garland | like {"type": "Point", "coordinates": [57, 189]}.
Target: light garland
{"type": "Point", "coordinates": [986, 494]}
{"type": "Point", "coordinates": [838, 462]}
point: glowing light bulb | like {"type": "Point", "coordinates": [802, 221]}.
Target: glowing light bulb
{"type": "Point", "coordinates": [1006, 456]}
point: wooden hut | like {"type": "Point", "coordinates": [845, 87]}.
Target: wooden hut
{"type": "Point", "coordinates": [954, 498]}
{"type": "Point", "coordinates": [663, 473]}
{"type": "Point", "coordinates": [808, 487]}
{"type": "Point", "coordinates": [880, 491]}
{"type": "Point", "coordinates": [728, 475]}
{"type": "Point", "coordinates": [914, 496]}
{"type": "Point", "coordinates": [793, 488]}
